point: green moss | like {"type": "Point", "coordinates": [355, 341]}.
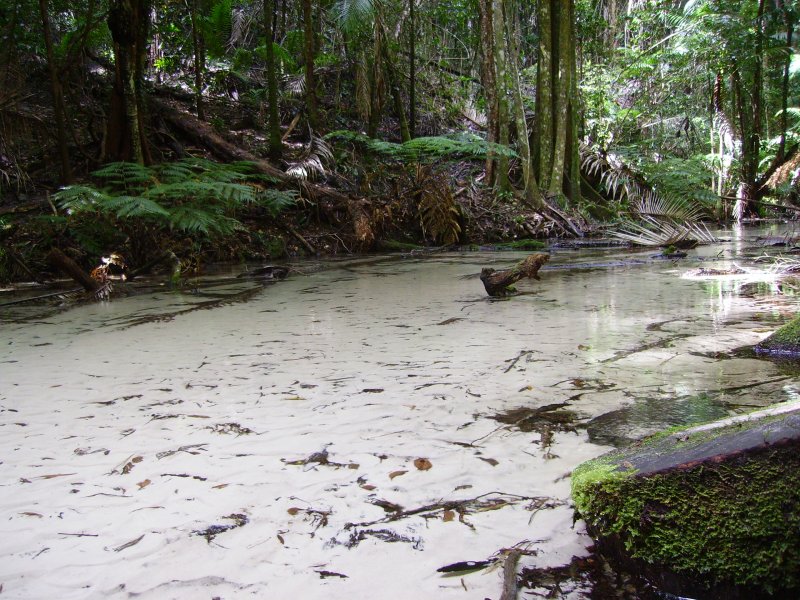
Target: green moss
{"type": "Point", "coordinates": [732, 522]}
{"type": "Point", "coordinates": [397, 246]}
{"type": "Point", "coordinates": [522, 245]}
{"type": "Point", "coordinates": [786, 340]}
{"type": "Point", "coordinates": [599, 473]}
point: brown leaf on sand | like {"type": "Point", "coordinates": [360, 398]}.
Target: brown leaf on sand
{"type": "Point", "coordinates": [293, 511]}
{"type": "Point", "coordinates": [448, 515]}
{"type": "Point", "coordinates": [423, 464]}
{"type": "Point", "coordinates": [144, 484]}
{"type": "Point", "coordinates": [394, 474]}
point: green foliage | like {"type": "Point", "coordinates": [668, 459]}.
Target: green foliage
{"type": "Point", "coordinates": [681, 178]}
{"type": "Point", "coordinates": [197, 196]}
{"type": "Point", "coordinates": [425, 149]}
{"type": "Point", "coordinates": [217, 28]}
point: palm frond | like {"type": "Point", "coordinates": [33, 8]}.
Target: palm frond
{"type": "Point", "coordinates": [353, 15]}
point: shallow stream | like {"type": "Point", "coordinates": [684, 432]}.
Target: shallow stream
{"type": "Point", "coordinates": [350, 431]}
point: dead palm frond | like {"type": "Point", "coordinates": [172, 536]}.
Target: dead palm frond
{"type": "Point", "coordinates": [312, 162]}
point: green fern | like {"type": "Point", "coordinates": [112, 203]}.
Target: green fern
{"type": "Point", "coordinates": [426, 149]}
{"type": "Point", "coordinates": [194, 195]}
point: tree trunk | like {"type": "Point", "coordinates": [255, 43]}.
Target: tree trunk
{"type": "Point", "coordinates": [199, 60]}
{"type": "Point", "coordinates": [501, 175]}
{"type": "Point", "coordinates": [531, 191]}
{"type": "Point", "coordinates": [128, 21]}
{"type": "Point", "coordinates": [543, 133]}
{"type": "Point", "coordinates": [412, 71]}
{"type": "Point", "coordinates": [58, 96]}
{"type": "Point", "coordinates": [489, 82]}
{"type": "Point", "coordinates": [273, 117]}
{"type": "Point", "coordinates": [394, 86]}
{"type": "Point", "coordinates": [556, 131]}
{"type": "Point", "coordinates": [312, 103]}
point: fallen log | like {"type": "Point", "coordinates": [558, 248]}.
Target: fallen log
{"type": "Point", "coordinates": [498, 283]}
{"type": "Point", "coordinates": [203, 134]}
{"type": "Point", "coordinates": [66, 265]}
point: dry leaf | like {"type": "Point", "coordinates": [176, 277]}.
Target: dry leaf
{"type": "Point", "coordinates": [353, 466]}
{"type": "Point", "coordinates": [280, 539]}
{"type": "Point", "coordinates": [448, 516]}
{"type": "Point", "coordinates": [491, 461]}
{"type": "Point", "coordinates": [293, 511]}
{"type": "Point", "coordinates": [31, 514]}
{"type": "Point", "coordinates": [220, 486]}
{"type": "Point", "coordinates": [368, 486]}
{"type": "Point", "coordinates": [394, 474]}
{"type": "Point", "coordinates": [423, 464]}
{"type": "Point", "coordinates": [144, 484]}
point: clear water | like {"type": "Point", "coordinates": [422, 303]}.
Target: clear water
{"type": "Point", "coordinates": [303, 406]}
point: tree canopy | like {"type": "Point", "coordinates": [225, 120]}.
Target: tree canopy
{"type": "Point", "coordinates": [562, 114]}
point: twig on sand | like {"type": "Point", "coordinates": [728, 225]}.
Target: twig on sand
{"type": "Point", "coordinates": [510, 574]}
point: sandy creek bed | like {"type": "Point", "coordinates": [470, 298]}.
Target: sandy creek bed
{"type": "Point", "coordinates": [332, 436]}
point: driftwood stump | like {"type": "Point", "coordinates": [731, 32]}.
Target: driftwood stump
{"type": "Point", "coordinates": [498, 283]}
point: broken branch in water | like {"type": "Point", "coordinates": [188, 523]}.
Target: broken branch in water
{"type": "Point", "coordinates": [498, 283]}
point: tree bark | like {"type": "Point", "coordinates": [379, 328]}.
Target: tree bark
{"type": "Point", "coordinates": [500, 61]}
{"type": "Point", "coordinates": [199, 60]}
{"type": "Point", "coordinates": [273, 118]}
{"type": "Point", "coordinates": [128, 21]}
{"type": "Point", "coordinates": [58, 96]}
{"type": "Point", "coordinates": [489, 82]}
{"type": "Point", "coordinates": [312, 103]}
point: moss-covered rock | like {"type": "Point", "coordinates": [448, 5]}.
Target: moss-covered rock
{"type": "Point", "coordinates": [784, 342]}
{"type": "Point", "coordinates": [711, 511]}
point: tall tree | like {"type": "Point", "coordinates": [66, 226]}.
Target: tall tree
{"type": "Point", "coordinates": [129, 23]}
{"type": "Point", "coordinates": [555, 134]}
{"type": "Point", "coordinates": [58, 95]}
{"type": "Point", "coordinates": [309, 54]}
{"type": "Point", "coordinates": [273, 117]}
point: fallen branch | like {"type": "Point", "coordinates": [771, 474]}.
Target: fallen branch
{"type": "Point", "coordinates": [498, 283]}
{"type": "Point", "coordinates": [66, 265]}
{"type": "Point", "coordinates": [461, 506]}
{"type": "Point", "coordinates": [510, 575]}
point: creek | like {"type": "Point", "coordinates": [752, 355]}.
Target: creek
{"type": "Point", "coordinates": [350, 431]}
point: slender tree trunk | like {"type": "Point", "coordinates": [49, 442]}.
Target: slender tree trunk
{"type": "Point", "coordinates": [489, 81]}
{"type": "Point", "coordinates": [199, 60]}
{"type": "Point", "coordinates": [789, 22]}
{"type": "Point", "coordinates": [58, 96]}
{"type": "Point", "coordinates": [501, 175]}
{"type": "Point", "coordinates": [412, 71]}
{"type": "Point", "coordinates": [531, 191]}
{"type": "Point", "coordinates": [543, 132]}
{"type": "Point", "coordinates": [273, 118]}
{"type": "Point", "coordinates": [392, 81]}
{"type": "Point", "coordinates": [560, 96]}
{"type": "Point", "coordinates": [312, 103]}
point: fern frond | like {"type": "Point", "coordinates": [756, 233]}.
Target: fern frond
{"type": "Point", "coordinates": [127, 177]}
{"type": "Point", "coordinates": [80, 198]}
{"type": "Point", "coordinates": [276, 201]}
{"type": "Point", "coordinates": [134, 206]}
{"type": "Point", "coordinates": [196, 220]}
